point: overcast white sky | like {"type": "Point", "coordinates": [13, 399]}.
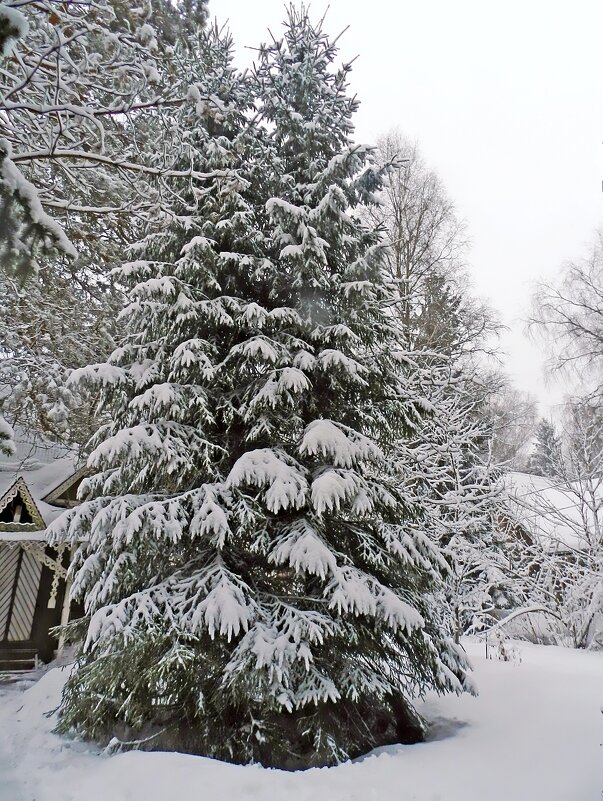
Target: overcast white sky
{"type": "Point", "coordinates": [505, 101]}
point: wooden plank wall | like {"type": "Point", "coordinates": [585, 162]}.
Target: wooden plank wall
{"type": "Point", "coordinates": [19, 584]}
{"type": "Point", "coordinates": [9, 563]}
{"type": "Point", "coordinates": [24, 603]}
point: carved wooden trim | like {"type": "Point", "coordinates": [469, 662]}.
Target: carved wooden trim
{"type": "Point", "coordinates": [20, 488]}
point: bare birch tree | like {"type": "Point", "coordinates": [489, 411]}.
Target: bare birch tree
{"type": "Point", "coordinates": [426, 254]}
{"type": "Point", "coordinates": [446, 331]}
{"type": "Point", "coordinates": [568, 315]}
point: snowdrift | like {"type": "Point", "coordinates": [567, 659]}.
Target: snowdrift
{"type": "Point", "coordinates": [533, 734]}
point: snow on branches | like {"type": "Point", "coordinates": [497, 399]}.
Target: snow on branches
{"type": "Point", "coordinates": [84, 87]}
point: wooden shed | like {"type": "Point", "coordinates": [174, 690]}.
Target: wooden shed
{"type": "Point", "coordinates": [36, 484]}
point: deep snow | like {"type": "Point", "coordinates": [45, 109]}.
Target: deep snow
{"type": "Point", "coordinates": [533, 734]}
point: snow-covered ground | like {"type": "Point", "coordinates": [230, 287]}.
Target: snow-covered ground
{"type": "Point", "coordinates": [534, 734]}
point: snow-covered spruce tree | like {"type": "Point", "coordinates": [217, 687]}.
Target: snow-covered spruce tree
{"type": "Point", "coordinates": [257, 586]}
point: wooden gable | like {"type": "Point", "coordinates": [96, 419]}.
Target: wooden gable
{"type": "Point", "coordinates": [18, 510]}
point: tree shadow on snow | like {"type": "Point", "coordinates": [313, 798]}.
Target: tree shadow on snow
{"type": "Point", "coordinates": [443, 728]}
{"type": "Point", "coordinates": [437, 729]}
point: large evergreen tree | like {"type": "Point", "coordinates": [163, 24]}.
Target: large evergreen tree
{"type": "Point", "coordinates": [257, 581]}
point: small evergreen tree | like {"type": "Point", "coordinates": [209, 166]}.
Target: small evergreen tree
{"type": "Point", "coordinates": [257, 582]}
{"type": "Point", "coordinates": [461, 494]}
{"type": "Point", "coordinates": [546, 458]}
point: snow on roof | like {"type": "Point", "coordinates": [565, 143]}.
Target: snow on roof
{"type": "Point", "coordinates": [551, 510]}
{"type": "Point", "coordinates": [42, 465]}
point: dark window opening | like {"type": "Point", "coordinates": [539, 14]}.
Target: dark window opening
{"type": "Point", "coordinates": [16, 512]}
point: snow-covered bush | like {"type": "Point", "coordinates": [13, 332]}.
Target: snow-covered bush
{"type": "Point", "coordinates": [560, 556]}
